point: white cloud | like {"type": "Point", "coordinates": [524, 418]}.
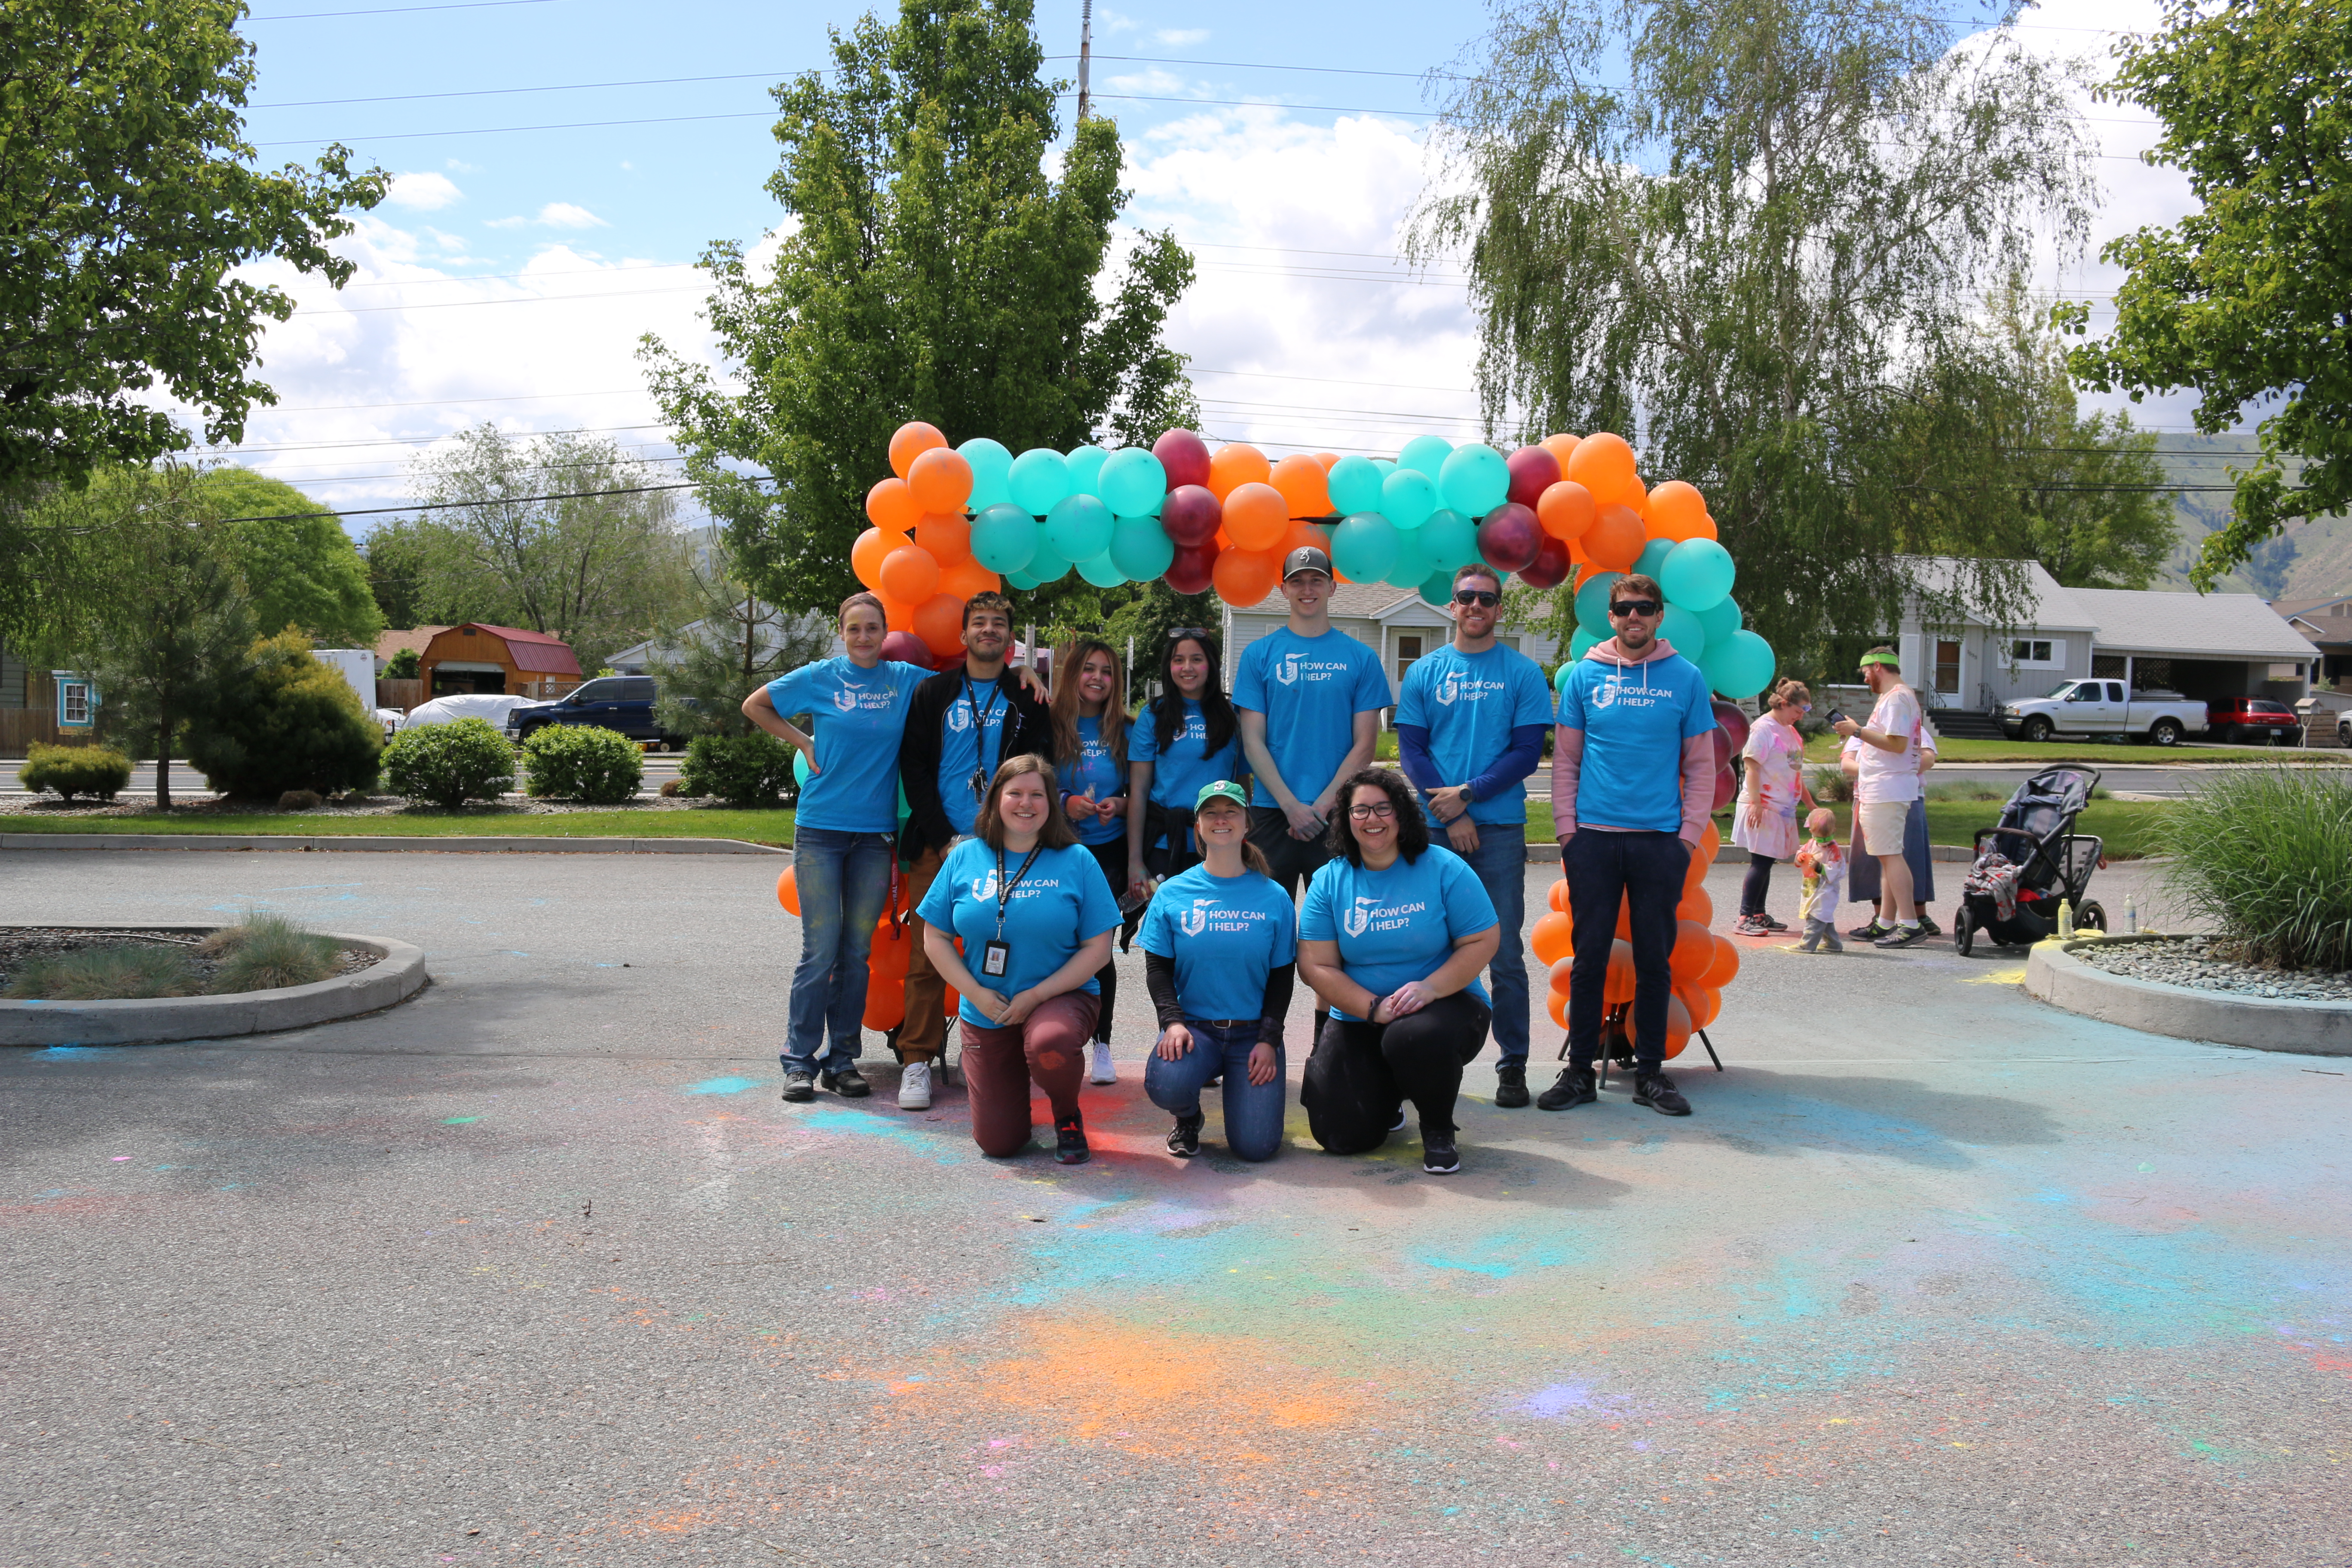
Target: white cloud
{"type": "Point", "coordinates": [554, 215]}
{"type": "Point", "coordinates": [1177, 37]}
{"type": "Point", "coordinates": [1114, 22]}
{"type": "Point", "coordinates": [425, 191]}
{"type": "Point", "coordinates": [1155, 81]}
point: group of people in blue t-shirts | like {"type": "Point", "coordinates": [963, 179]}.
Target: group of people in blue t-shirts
{"type": "Point", "coordinates": [1035, 828]}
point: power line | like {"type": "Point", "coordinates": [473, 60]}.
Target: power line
{"type": "Point", "coordinates": [502, 500]}
{"type": "Point", "coordinates": [399, 10]}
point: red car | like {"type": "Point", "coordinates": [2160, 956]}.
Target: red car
{"type": "Point", "coordinates": [2243, 720]}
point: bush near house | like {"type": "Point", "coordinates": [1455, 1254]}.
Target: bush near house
{"type": "Point", "coordinates": [451, 763]}
{"type": "Point", "coordinates": [741, 770]}
{"type": "Point", "coordinates": [99, 771]}
{"type": "Point", "coordinates": [286, 723]}
{"type": "Point", "coordinates": [566, 762]}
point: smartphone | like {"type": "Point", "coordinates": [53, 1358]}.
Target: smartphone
{"type": "Point", "coordinates": [1835, 718]}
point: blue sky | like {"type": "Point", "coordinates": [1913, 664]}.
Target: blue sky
{"type": "Point", "coordinates": [510, 275]}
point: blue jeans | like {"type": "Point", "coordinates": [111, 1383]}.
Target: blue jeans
{"type": "Point", "coordinates": [1501, 862]}
{"type": "Point", "coordinates": [1253, 1110]}
{"type": "Point", "coordinates": [845, 885]}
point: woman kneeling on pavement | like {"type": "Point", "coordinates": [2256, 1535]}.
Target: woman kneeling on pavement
{"type": "Point", "coordinates": [1393, 935]}
{"type": "Point", "coordinates": [1034, 918]}
{"type": "Point", "coordinates": [1220, 946]}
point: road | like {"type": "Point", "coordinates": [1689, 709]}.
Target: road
{"type": "Point", "coordinates": [537, 1268]}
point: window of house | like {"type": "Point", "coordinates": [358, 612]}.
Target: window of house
{"type": "Point", "coordinates": [1408, 648]}
{"type": "Point", "coordinates": [2039, 653]}
{"type": "Point", "coordinates": [73, 703]}
{"type": "Point", "coordinates": [1947, 665]}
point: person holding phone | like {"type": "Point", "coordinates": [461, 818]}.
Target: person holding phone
{"type": "Point", "coordinates": [1089, 719]}
{"type": "Point", "coordinates": [1019, 920]}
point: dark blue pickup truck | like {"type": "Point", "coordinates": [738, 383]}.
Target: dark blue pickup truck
{"type": "Point", "coordinates": [622, 702]}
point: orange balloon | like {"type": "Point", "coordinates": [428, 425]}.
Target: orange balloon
{"type": "Point", "coordinates": [1559, 897]}
{"type": "Point", "coordinates": [1678, 1027]}
{"type": "Point", "coordinates": [898, 616]}
{"type": "Point", "coordinates": [891, 506]}
{"type": "Point", "coordinates": [1676, 511]}
{"type": "Point", "coordinates": [1710, 1009]}
{"type": "Point", "coordinates": [1619, 987]}
{"type": "Point", "coordinates": [1554, 936]}
{"type": "Point", "coordinates": [1694, 950]}
{"type": "Point", "coordinates": [1603, 463]}
{"type": "Point", "coordinates": [1306, 490]}
{"type": "Point", "coordinates": [1696, 906]}
{"type": "Point", "coordinates": [1615, 539]}
{"type": "Point", "coordinates": [1705, 529]}
{"type": "Point", "coordinates": [947, 536]}
{"type": "Point", "coordinates": [911, 441]}
{"type": "Point", "coordinates": [1562, 447]}
{"type": "Point", "coordinates": [1256, 516]}
{"type": "Point", "coordinates": [1559, 1009]}
{"type": "Point", "coordinates": [909, 575]}
{"type": "Point", "coordinates": [968, 577]}
{"type": "Point", "coordinates": [938, 621]}
{"type": "Point", "coordinates": [788, 892]}
{"type": "Point", "coordinates": [1634, 497]}
{"type": "Point", "coordinates": [1695, 876]}
{"type": "Point", "coordinates": [941, 479]}
{"type": "Point", "coordinates": [886, 1003]}
{"type": "Point", "coordinates": [1564, 975]}
{"type": "Point", "coordinates": [1624, 919]}
{"type": "Point", "coordinates": [1324, 461]}
{"type": "Point", "coordinates": [1235, 465]}
{"type": "Point", "coordinates": [1710, 841]}
{"type": "Point", "coordinates": [866, 556]}
{"type": "Point", "coordinates": [1243, 577]}
{"type": "Point", "coordinates": [1566, 510]}
{"type": "Point", "coordinates": [1720, 973]}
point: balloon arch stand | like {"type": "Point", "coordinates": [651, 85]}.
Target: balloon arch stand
{"type": "Point", "coordinates": [953, 521]}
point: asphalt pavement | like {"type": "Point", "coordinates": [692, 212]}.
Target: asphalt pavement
{"type": "Point", "coordinates": [537, 1268]}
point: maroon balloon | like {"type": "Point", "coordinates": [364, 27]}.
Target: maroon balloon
{"type": "Point", "coordinates": [1185, 457]}
{"type": "Point", "coordinates": [1533, 472]}
{"type": "Point", "coordinates": [1721, 738]}
{"type": "Point", "coordinates": [943, 661]}
{"type": "Point", "coordinates": [906, 647]}
{"type": "Point", "coordinates": [1510, 537]}
{"type": "Point", "coordinates": [1194, 569]}
{"type": "Point", "coordinates": [1725, 788]}
{"type": "Point", "coordinates": [1191, 514]}
{"type": "Point", "coordinates": [1551, 565]}
{"type": "Point", "coordinates": [1734, 722]}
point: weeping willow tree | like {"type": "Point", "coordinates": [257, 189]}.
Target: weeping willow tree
{"type": "Point", "coordinates": [1750, 237]}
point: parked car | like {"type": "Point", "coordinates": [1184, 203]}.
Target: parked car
{"type": "Point", "coordinates": [2103, 707]}
{"type": "Point", "coordinates": [2251, 719]}
{"type": "Point", "coordinates": [490, 707]}
{"type": "Point", "coordinates": [622, 702]}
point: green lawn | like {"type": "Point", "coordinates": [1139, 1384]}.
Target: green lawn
{"type": "Point", "coordinates": [1954, 749]}
{"type": "Point", "coordinates": [756, 826]}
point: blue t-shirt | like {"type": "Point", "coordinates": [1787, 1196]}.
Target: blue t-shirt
{"type": "Point", "coordinates": [1053, 910]}
{"type": "Point", "coordinates": [1095, 767]}
{"type": "Point", "coordinates": [1178, 773]}
{"type": "Point", "coordinates": [1469, 703]}
{"type": "Point", "coordinates": [855, 717]}
{"type": "Point", "coordinates": [1310, 690]}
{"type": "Point", "coordinates": [1226, 934]}
{"type": "Point", "coordinates": [1397, 924]}
{"type": "Point", "coordinates": [1634, 719]}
{"type": "Point", "coordinates": [971, 738]}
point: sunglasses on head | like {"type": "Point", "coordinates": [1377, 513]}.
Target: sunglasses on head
{"type": "Point", "coordinates": [1478, 596]}
{"type": "Point", "coordinates": [1184, 634]}
{"type": "Point", "coordinates": [1634, 607]}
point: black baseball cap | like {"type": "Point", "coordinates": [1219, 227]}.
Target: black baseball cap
{"type": "Point", "coordinates": [1306, 558]}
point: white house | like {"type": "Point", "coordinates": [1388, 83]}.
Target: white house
{"type": "Point", "coordinates": [1397, 624]}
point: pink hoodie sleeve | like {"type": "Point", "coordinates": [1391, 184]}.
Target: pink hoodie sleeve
{"type": "Point", "coordinates": [1567, 764]}
{"type": "Point", "coordinates": [1698, 785]}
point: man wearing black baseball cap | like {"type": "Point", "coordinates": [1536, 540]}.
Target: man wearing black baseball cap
{"type": "Point", "coordinates": [1309, 700]}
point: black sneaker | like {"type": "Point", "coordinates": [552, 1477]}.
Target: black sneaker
{"type": "Point", "coordinates": [1438, 1156]}
{"type": "Point", "coordinates": [1510, 1084]}
{"type": "Point", "coordinates": [1658, 1091]}
{"type": "Point", "coordinates": [1185, 1138]}
{"type": "Point", "coordinates": [1575, 1087]}
{"type": "Point", "coordinates": [1928, 925]}
{"type": "Point", "coordinates": [1070, 1142]}
{"type": "Point", "coordinates": [848, 1083]}
{"type": "Point", "coordinates": [799, 1085]}
{"type": "Point", "coordinates": [1870, 932]}
{"type": "Point", "coordinates": [1776, 925]}
{"type": "Point", "coordinates": [1901, 936]}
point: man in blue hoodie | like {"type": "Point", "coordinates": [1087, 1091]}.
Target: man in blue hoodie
{"type": "Point", "coordinates": [1633, 778]}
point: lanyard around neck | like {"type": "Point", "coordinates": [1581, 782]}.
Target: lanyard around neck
{"type": "Point", "coordinates": [980, 717]}
{"type": "Point", "coordinates": [1004, 888]}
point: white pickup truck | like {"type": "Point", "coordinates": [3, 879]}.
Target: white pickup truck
{"type": "Point", "coordinates": [2103, 707]}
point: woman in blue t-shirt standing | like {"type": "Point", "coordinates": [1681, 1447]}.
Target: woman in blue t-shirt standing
{"type": "Point", "coordinates": [1220, 947]}
{"type": "Point", "coordinates": [1188, 737]}
{"type": "Point", "coordinates": [1034, 919]}
{"type": "Point", "coordinates": [1089, 716]}
{"type": "Point", "coordinates": [1391, 936]}
{"type": "Point", "coordinates": [842, 836]}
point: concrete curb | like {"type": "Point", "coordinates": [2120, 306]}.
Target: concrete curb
{"type": "Point", "coordinates": [398, 975]}
{"type": "Point", "coordinates": [1730, 854]}
{"type": "Point", "coordinates": [2260, 1023]}
{"type": "Point", "coordinates": [452, 845]}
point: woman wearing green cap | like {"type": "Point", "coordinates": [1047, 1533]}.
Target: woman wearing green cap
{"type": "Point", "coordinates": [1220, 946]}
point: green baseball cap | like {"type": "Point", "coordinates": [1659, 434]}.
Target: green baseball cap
{"type": "Point", "coordinates": [1224, 789]}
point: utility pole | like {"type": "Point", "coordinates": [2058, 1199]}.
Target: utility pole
{"type": "Point", "coordinates": [1086, 51]}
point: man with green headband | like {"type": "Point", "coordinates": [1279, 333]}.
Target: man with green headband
{"type": "Point", "coordinates": [1884, 788]}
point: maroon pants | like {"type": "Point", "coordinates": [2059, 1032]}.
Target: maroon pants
{"type": "Point", "coordinates": [1048, 1049]}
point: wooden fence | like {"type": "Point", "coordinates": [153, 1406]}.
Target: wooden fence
{"type": "Point", "coordinates": [401, 694]}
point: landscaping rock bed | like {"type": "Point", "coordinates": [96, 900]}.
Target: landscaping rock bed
{"type": "Point", "coordinates": [2193, 962]}
{"type": "Point", "coordinates": [196, 805]}
{"type": "Point", "coordinates": [18, 943]}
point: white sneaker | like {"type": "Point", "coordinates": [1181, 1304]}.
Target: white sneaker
{"type": "Point", "coordinates": [915, 1087]}
{"type": "Point", "coordinates": [1100, 1068]}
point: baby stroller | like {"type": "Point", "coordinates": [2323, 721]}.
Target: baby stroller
{"type": "Point", "coordinates": [2028, 862]}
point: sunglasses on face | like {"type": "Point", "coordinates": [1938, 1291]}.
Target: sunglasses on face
{"type": "Point", "coordinates": [1624, 607]}
{"type": "Point", "coordinates": [1478, 596]}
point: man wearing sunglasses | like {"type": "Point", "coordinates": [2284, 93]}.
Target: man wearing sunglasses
{"type": "Point", "coordinates": [1470, 729]}
{"type": "Point", "coordinates": [1633, 778]}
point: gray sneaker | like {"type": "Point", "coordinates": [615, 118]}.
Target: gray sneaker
{"type": "Point", "coordinates": [799, 1085]}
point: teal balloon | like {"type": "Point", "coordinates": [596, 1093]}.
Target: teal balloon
{"type": "Point", "coordinates": [1048, 566]}
{"type": "Point", "coordinates": [1721, 620]}
{"type": "Point", "coordinates": [992, 472]}
{"type": "Point", "coordinates": [1474, 480]}
{"type": "Point", "coordinates": [905, 811]}
{"type": "Point", "coordinates": [1568, 666]}
{"type": "Point", "coordinates": [1698, 573]}
{"type": "Point", "coordinates": [1652, 559]}
{"type": "Point", "coordinates": [1387, 466]}
{"type": "Point", "coordinates": [1078, 528]}
{"type": "Point", "coordinates": [1426, 454]}
{"type": "Point", "coordinates": [1365, 546]}
{"type": "Point", "coordinates": [1592, 603]}
{"type": "Point", "coordinates": [1133, 483]}
{"type": "Point", "coordinates": [1086, 471]}
{"type": "Point", "coordinates": [1582, 643]}
{"type": "Point", "coordinates": [1142, 548]}
{"type": "Point", "coordinates": [1407, 498]}
{"type": "Point", "coordinates": [1355, 485]}
{"type": "Point", "coordinates": [1448, 540]}
{"type": "Point", "coordinates": [1003, 538]}
{"type": "Point", "coordinates": [1040, 477]}
{"type": "Point", "coordinates": [1021, 580]}
{"type": "Point", "coordinates": [1685, 631]}
{"type": "Point", "coordinates": [1103, 571]}
{"type": "Point", "coordinates": [1739, 666]}
{"type": "Point", "coordinates": [1437, 588]}
{"type": "Point", "coordinates": [800, 768]}
{"type": "Point", "coordinates": [1411, 566]}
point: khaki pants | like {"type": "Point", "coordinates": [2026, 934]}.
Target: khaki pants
{"type": "Point", "coordinates": [925, 1031]}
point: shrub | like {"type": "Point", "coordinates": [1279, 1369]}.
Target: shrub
{"type": "Point", "coordinates": [286, 723]}
{"type": "Point", "coordinates": [99, 771]}
{"type": "Point", "coordinates": [264, 953]}
{"type": "Point", "coordinates": [741, 770]}
{"type": "Point", "coordinates": [1830, 786]}
{"type": "Point", "coordinates": [450, 763]}
{"type": "Point", "coordinates": [301, 800]}
{"type": "Point", "coordinates": [106, 974]}
{"type": "Point", "coordinates": [2261, 853]}
{"type": "Point", "coordinates": [568, 761]}
{"type": "Point", "coordinates": [404, 665]}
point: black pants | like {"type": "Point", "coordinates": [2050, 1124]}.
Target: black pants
{"type": "Point", "coordinates": [1112, 858]}
{"type": "Point", "coordinates": [1292, 860]}
{"type": "Point", "coordinates": [1645, 871]}
{"type": "Point", "coordinates": [1360, 1073]}
{"type": "Point", "coordinates": [1758, 885]}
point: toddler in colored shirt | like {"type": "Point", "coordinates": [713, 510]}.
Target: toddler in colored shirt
{"type": "Point", "coordinates": [1823, 863]}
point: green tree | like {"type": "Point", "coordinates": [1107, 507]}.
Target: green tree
{"type": "Point", "coordinates": [129, 202]}
{"type": "Point", "coordinates": [300, 568]}
{"type": "Point", "coordinates": [2244, 300]}
{"type": "Point", "coordinates": [936, 271]}
{"type": "Point", "coordinates": [281, 721]}
{"type": "Point", "coordinates": [395, 551]}
{"type": "Point", "coordinates": [737, 642]}
{"type": "Point", "coordinates": [1729, 233]}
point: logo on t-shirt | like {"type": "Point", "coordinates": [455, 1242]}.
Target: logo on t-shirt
{"type": "Point", "coordinates": [1287, 672]}
{"type": "Point", "coordinates": [1196, 920]}
{"type": "Point", "coordinates": [846, 700]}
{"type": "Point", "coordinates": [959, 720]}
{"type": "Point", "coordinates": [1449, 689]}
{"type": "Point", "coordinates": [1371, 914]}
{"type": "Point", "coordinates": [1604, 694]}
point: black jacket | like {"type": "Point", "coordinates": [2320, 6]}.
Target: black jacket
{"type": "Point", "coordinates": [1028, 728]}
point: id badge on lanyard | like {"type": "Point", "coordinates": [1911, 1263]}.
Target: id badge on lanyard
{"type": "Point", "coordinates": [995, 953]}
